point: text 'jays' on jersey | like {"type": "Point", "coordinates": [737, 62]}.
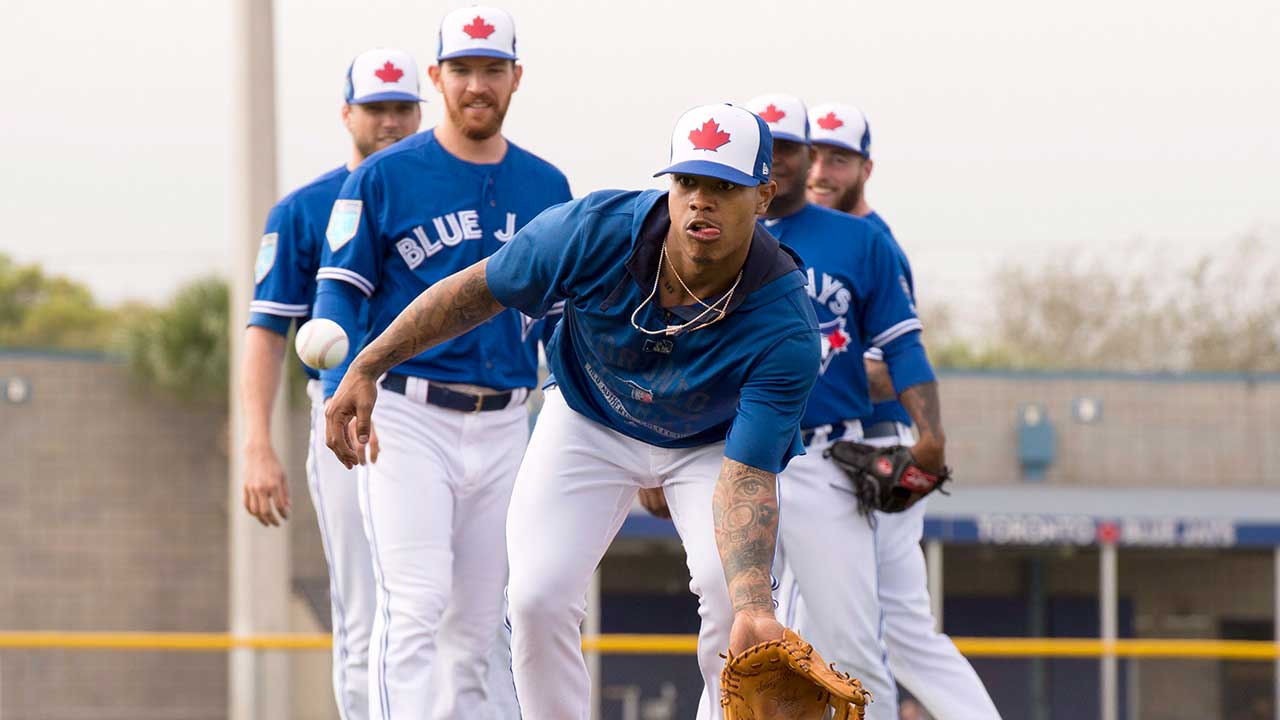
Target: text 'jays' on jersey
{"type": "Point", "coordinates": [285, 271]}
{"type": "Point", "coordinates": [410, 216]}
{"type": "Point", "coordinates": [863, 300]}
{"type": "Point", "coordinates": [890, 410]}
{"type": "Point", "coordinates": [742, 380]}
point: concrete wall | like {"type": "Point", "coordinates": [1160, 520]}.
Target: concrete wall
{"type": "Point", "coordinates": [113, 516]}
{"type": "Point", "coordinates": [1154, 432]}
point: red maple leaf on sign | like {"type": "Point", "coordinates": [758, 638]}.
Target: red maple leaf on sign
{"type": "Point", "coordinates": [478, 29]}
{"type": "Point", "coordinates": [708, 137]}
{"type": "Point", "coordinates": [829, 121]}
{"type": "Point", "coordinates": [389, 73]}
{"type": "Point", "coordinates": [772, 114]}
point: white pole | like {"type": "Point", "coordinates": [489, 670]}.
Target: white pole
{"type": "Point", "coordinates": [1109, 611]}
{"type": "Point", "coordinates": [591, 626]}
{"type": "Point", "coordinates": [1275, 627]}
{"type": "Point", "coordinates": [258, 687]}
{"type": "Point", "coordinates": [933, 564]}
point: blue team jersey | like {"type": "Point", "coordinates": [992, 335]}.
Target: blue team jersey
{"type": "Point", "coordinates": [861, 298]}
{"type": "Point", "coordinates": [891, 410]}
{"type": "Point", "coordinates": [742, 380]}
{"type": "Point", "coordinates": [413, 214]}
{"type": "Point", "coordinates": [285, 271]}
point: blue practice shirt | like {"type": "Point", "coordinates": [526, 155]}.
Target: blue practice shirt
{"type": "Point", "coordinates": [862, 301]}
{"type": "Point", "coordinates": [285, 271]}
{"type": "Point", "coordinates": [742, 380]}
{"type": "Point", "coordinates": [410, 216]}
{"type": "Point", "coordinates": [890, 410]}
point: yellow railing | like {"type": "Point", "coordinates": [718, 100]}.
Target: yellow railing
{"type": "Point", "coordinates": [650, 644]}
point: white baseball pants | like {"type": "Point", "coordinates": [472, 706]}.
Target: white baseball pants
{"type": "Point", "coordinates": [827, 551]}
{"type": "Point", "coordinates": [435, 507]}
{"type": "Point", "coordinates": [335, 495]}
{"type": "Point", "coordinates": [924, 660]}
{"type": "Point", "coordinates": [574, 490]}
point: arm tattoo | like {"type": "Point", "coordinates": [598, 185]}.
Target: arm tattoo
{"type": "Point", "coordinates": [745, 508]}
{"type": "Point", "coordinates": [443, 311]}
{"type": "Point", "coordinates": [921, 403]}
{"type": "Point", "coordinates": [879, 382]}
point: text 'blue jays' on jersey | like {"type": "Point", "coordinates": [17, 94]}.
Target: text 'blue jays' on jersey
{"type": "Point", "coordinates": [413, 214]}
{"type": "Point", "coordinates": [862, 301]}
{"type": "Point", "coordinates": [742, 380]}
{"type": "Point", "coordinates": [890, 410]}
{"type": "Point", "coordinates": [285, 271]}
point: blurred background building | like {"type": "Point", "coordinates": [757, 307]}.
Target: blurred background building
{"type": "Point", "coordinates": [113, 516]}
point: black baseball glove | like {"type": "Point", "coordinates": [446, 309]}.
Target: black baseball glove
{"type": "Point", "coordinates": [884, 478]}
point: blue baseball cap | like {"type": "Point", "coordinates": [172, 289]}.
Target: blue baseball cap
{"type": "Point", "coordinates": [382, 75]}
{"type": "Point", "coordinates": [842, 126]}
{"type": "Point", "coordinates": [725, 142]}
{"type": "Point", "coordinates": [477, 32]}
{"type": "Point", "coordinates": [785, 114]}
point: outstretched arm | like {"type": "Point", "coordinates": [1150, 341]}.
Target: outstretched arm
{"type": "Point", "coordinates": [446, 310]}
{"type": "Point", "coordinates": [745, 509]}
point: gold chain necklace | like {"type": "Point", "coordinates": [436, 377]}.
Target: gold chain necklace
{"type": "Point", "coordinates": [673, 329]}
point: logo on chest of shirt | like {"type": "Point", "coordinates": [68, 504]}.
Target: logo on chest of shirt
{"type": "Point", "coordinates": [830, 292]}
{"type": "Point", "coordinates": [835, 340]}
{"type": "Point", "coordinates": [451, 230]}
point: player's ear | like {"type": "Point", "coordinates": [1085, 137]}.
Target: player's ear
{"type": "Point", "coordinates": [346, 116]}
{"type": "Point", "coordinates": [433, 72]}
{"type": "Point", "coordinates": [764, 196]}
{"type": "Point", "coordinates": [518, 70]}
{"type": "Point", "coordinates": [867, 166]}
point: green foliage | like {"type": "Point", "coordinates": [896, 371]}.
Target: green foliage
{"type": "Point", "coordinates": [43, 311]}
{"type": "Point", "coordinates": [1220, 313]}
{"type": "Point", "coordinates": [184, 347]}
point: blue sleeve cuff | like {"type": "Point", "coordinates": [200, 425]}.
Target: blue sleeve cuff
{"type": "Point", "coordinates": [907, 361]}
{"type": "Point", "coordinates": [275, 323]}
{"type": "Point", "coordinates": [340, 302]}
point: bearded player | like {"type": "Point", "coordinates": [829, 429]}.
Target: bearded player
{"type": "Point", "coordinates": [452, 421]}
{"type": "Point", "coordinates": [381, 107]}
{"type": "Point", "coordinates": [924, 660]}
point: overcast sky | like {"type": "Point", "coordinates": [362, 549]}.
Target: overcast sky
{"type": "Point", "coordinates": [1004, 130]}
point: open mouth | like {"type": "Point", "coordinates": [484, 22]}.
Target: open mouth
{"type": "Point", "coordinates": [702, 230]}
{"type": "Point", "coordinates": [822, 190]}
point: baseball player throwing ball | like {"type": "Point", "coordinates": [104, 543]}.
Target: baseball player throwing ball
{"type": "Point", "coordinates": [452, 421]}
{"type": "Point", "coordinates": [683, 360]}
{"type": "Point", "coordinates": [925, 661]}
{"type": "Point", "coordinates": [381, 108]}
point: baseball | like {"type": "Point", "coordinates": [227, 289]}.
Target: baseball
{"type": "Point", "coordinates": [321, 344]}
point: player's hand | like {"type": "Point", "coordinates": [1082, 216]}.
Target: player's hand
{"type": "Point", "coordinates": [347, 416]}
{"type": "Point", "coordinates": [751, 627]}
{"type": "Point", "coordinates": [266, 488]}
{"type": "Point", "coordinates": [368, 452]}
{"type": "Point", "coordinates": [373, 443]}
{"type": "Point", "coordinates": [929, 454]}
{"type": "Point", "coordinates": [655, 501]}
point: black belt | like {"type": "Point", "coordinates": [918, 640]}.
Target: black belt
{"type": "Point", "coordinates": [451, 399]}
{"type": "Point", "coordinates": [882, 429]}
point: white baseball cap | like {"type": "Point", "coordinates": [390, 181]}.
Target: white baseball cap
{"type": "Point", "coordinates": [840, 125]}
{"type": "Point", "coordinates": [382, 74]}
{"type": "Point", "coordinates": [724, 142]}
{"type": "Point", "coordinates": [785, 114]}
{"type": "Point", "coordinates": [477, 32]}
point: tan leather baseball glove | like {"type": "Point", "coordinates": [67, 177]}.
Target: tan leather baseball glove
{"type": "Point", "coordinates": [787, 680]}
